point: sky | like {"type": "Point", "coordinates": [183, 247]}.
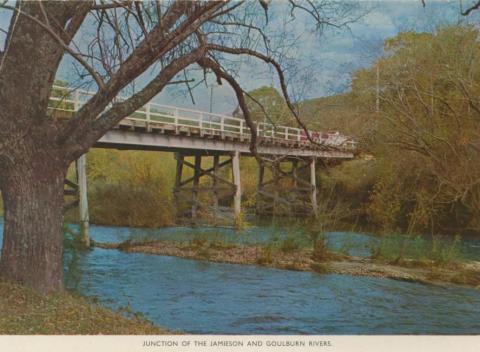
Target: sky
{"type": "Point", "coordinates": [331, 58]}
{"type": "Point", "coordinates": [325, 61]}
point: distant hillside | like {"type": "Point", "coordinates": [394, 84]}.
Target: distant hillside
{"type": "Point", "coordinates": [338, 112]}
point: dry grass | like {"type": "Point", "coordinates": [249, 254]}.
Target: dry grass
{"type": "Point", "coordinates": [24, 311]}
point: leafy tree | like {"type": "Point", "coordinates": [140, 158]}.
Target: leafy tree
{"type": "Point", "coordinates": [428, 127]}
{"type": "Point", "coordinates": [267, 105]}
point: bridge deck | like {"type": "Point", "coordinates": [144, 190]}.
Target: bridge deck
{"type": "Point", "coordinates": [139, 139]}
{"type": "Point", "coordinates": [169, 128]}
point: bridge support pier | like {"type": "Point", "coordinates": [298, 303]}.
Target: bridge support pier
{"type": "Point", "coordinates": [313, 184]}
{"type": "Point", "coordinates": [206, 196]}
{"type": "Point", "coordinates": [287, 186]}
{"type": "Point", "coordinates": [84, 219]}
{"type": "Point", "coordinates": [78, 190]}
{"type": "Point", "coordinates": [237, 197]}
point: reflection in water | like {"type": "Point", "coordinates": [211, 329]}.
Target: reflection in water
{"type": "Point", "coordinates": [202, 297]}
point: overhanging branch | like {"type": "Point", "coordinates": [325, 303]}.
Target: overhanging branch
{"type": "Point", "coordinates": [474, 7]}
{"type": "Point", "coordinates": [140, 59]}
{"type": "Point", "coordinates": [46, 27]}
{"type": "Point", "coordinates": [125, 108]}
{"type": "Point", "coordinates": [208, 63]}
{"type": "Point", "coordinates": [281, 76]}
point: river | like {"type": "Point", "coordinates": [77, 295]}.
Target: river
{"type": "Point", "coordinates": [211, 298]}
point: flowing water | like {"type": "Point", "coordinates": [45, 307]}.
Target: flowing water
{"type": "Point", "coordinates": [211, 298]}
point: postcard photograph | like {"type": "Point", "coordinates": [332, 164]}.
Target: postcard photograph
{"type": "Point", "coordinates": [287, 169]}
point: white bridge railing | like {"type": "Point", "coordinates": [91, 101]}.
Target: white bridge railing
{"type": "Point", "coordinates": [154, 115]}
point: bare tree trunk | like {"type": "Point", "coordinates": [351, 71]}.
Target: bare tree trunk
{"type": "Point", "coordinates": [32, 253]}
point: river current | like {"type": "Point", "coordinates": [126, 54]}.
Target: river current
{"type": "Point", "coordinates": [212, 298]}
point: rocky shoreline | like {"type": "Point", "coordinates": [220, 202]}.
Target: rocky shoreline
{"type": "Point", "coordinates": [465, 274]}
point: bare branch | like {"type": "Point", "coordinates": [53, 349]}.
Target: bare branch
{"type": "Point", "coordinates": [188, 87]}
{"type": "Point", "coordinates": [112, 5]}
{"type": "Point", "coordinates": [220, 73]}
{"type": "Point", "coordinates": [474, 7]}
{"type": "Point", "coordinates": [283, 84]}
{"type": "Point", "coordinates": [122, 109]}
{"type": "Point", "coordinates": [139, 61]}
{"type": "Point", "coordinates": [51, 32]}
{"type": "Point", "coordinates": [260, 105]}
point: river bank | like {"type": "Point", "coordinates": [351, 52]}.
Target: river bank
{"type": "Point", "coordinates": [319, 260]}
{"type": "Point", "coordinates": [27, 312]}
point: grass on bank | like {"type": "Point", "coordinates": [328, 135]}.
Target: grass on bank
{"type": "Point", "coordinates": [24, 312]}
{"type": "Point", "coordinates": [418, 251]}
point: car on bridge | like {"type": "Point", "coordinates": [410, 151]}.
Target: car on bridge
{"type": "Point", "coordinates": [331, 138]}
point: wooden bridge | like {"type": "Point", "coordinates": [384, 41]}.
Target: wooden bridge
{"type": "Point", "coordinates": [198, 135]}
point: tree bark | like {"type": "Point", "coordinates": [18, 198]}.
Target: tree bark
{"type": "Point", "coordinates": [32, 253]}
{"type": "Point", "coordinates": [32, 166]}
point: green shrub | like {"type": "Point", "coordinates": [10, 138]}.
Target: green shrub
{"type": "Point", "coordinates": [266, 255]}
{"type": "Point", "coordinates": [402, 249]}
{"type": "Point", "coordinates": [289, 245]}
{"type": "Point", "coordinates": [445, 252]}
{"type": "Point", "coordinates": [320, 268]}
{"type": "Point", "coordinates": [467, 277]}
{"type": "Point", "coordinates": [320, 249]}
{"type": "Point", "coordinates": [130, 188]}
{"type": "Point", "coordinates": [220, 245]}
{"type": "Point", "coordinates": [125, 245]}
{"type": "Point", "coordinates": [198, 242]}
{"type": "Point", "coordinates": [204, 253]}
{"type": "Point", "coordinates": [388, 248]}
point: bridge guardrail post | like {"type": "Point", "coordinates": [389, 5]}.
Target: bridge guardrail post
{"type": "Point", "coordinates": [222, 126]}
{"type": "Point", "coordinates": [200, 124]}
{"type": "Point", "coordinates": [76, 100]}
{"type": "Point", "coordinates": [175, 119]}
{"type": "Point", "coordinates": [147, 113]}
